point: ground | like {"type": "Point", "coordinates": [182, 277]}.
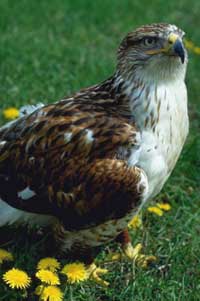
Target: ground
{"type": "Point", "coordinates": [49, 49]}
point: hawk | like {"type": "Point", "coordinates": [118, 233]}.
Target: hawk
{"type": "Point", "coordinates": [88, 162]}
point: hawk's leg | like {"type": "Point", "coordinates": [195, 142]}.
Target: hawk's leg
{"type": "Point", "coordinates": [78, 252]}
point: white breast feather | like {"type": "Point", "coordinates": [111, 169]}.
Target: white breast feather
{"type": "Point", "coordinates": [160, 150]}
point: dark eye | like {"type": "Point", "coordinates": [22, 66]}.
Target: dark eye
{"type": "Point", "coordinates": [149, 41]}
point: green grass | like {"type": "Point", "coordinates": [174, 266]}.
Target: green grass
{"type": "Point", "coordinates": [52, 48]}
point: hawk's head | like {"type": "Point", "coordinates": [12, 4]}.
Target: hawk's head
{"type": "Point", "coordinates": [153, 51]}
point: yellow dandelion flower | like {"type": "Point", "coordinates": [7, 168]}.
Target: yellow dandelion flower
{"type": "Point", "coordinates": [196, 50]}
{"type": "Point", "coordinates": [135, 223]}
{"type": "Point", "coordinates": [48, 263]}
{"type": "Point", "coordinates": [11, 113]}
{"type": "Point", "coordinates": [188, 44]}
{"type": "Point", "coordinates": [17, 279]}
{"type": "Point", "coordinates": [75, 272]}
{"type": "Point", "coordinates": [48, 277]}
{"type": "Point", "coordinates": [164, 206]}
{"type": "Point", "coordinates": [5, 256]}
{"type": "Point", "coordinates": [51, 293]}
{"type": "Point", "coordinates": [155, 210]}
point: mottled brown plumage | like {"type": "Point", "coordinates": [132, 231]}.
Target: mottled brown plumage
{"type": "Point", "coordinates": [88, 160]}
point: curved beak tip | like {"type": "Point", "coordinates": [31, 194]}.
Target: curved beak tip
{"type": "Point", "coordinates": [179, 50]}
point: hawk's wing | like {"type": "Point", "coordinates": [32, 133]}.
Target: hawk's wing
{"type": "Point", "coordinates": [67, 160]}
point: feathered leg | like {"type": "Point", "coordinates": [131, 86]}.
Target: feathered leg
{"type": "Point", "coordinates": [79, 253]}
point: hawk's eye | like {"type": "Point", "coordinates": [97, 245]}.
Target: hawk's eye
{"type": "Point", "coordinates": [149, 41]}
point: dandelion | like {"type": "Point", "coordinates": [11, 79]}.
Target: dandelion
{"type": "Point", "coordinates": [155, 210]}
{"type": "Point", "coordinates": [75, 272]}
{"type": "Point", "coordinates": [164, 206]}
{"type": "Point", "coordinates": [191, 46]}
{"type": "Point", "coordinates": [11, 113]}
{"type": "Point", "coordinates": [135, 223]}
{"type": "Point", "coordinates": [196, 50]}
{"type": "Point", "coordinates": [48, 263]}
{"type": "Point", "coordinates": [17, 279]}
{"type": "Point", "coordinates": [48, 277]}
{"type": "Point", "coordinates": [188, 44]}
{"type": "Point", "coordinates": [5, 256]}
{"type": "Point", "coordinates": [51, 293]}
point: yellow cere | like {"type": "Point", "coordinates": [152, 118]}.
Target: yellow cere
{"type": "Point", "coordinates": [11, 113]}
{"type": "Point", "coordinates": [172, 38]}
{"type": "Point", "coordinates": [75, 272]}
{"type": "Point", "coordinates": [155, 210]}
{"type": "Point", "coordinates": [51, 293]}
{"type": "Point", "coordinates": [164, 206]}
{"type": "Point", "coordinates": [48, 263]}
{"type": "Point", "coordinates": [135, 223]}
{"type": "Point", "coordinates": [5, 256]}
{"type": "Point", "coordinates": [17, 279]}
{"type": "Point", "coordinates": [48, 277]}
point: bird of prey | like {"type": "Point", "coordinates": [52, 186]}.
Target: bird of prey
{"type": "Point", "coordinates": [88, 162]}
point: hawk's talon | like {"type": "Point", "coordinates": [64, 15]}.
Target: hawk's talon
{"type": "Point", "coordinates": [134, 254]}
{"type": "Point", "coordinates": [131, 252]}
{"type": "Point", "coordinates": [94, 273]}
{"type": "Point", "coordinates": [144, 260]}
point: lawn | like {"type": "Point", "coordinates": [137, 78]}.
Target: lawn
{"type": "Point", "coordinates": [49, 49]}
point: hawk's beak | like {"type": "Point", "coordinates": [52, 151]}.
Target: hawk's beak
{"type": "Point", "coordinates": [176, 46]}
